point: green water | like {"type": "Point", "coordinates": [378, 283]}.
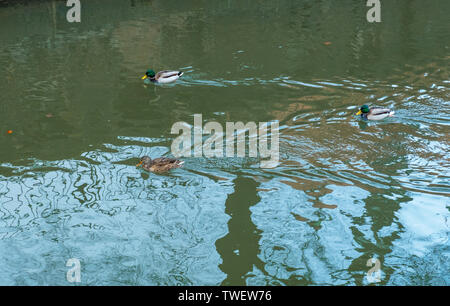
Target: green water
{"type": "Point", "coordinates": [345, 190]}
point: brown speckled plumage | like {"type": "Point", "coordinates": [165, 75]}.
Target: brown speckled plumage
{"type": "Point", "coordinates": [159, 165]}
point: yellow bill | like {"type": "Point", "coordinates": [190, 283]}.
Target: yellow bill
{"type": "Point", "coordinates": [144, 77]}
{"type": "Point", "coordinates": [359, 113]}
{"type": "Point", "coordinates": [139, 164]}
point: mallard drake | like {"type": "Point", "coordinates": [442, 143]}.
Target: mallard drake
{"type": "Point", "coordinates": [161, 164]}
{"type": "Point", "coordinates": [374, 113]}
{"type": "Point", "coordinates": [162, 77]}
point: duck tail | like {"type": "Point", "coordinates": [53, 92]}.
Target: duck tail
{"type": "Point", "coordinates": [180, 163]}
{"type": "Point", "coordinates": [180, 73]}
{"type": "Point", "coordinates": [391, 114]}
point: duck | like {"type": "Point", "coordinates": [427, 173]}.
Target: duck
{"type": "Point", "coordinates": [374, 113]}
{"type": "Point", "coordinates": [159, 165]}
{"type": "Point", "coordinates": [162, 77]}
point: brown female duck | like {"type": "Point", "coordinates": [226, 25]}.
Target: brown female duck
{"type": "Point", "coordinates": [159, 165]}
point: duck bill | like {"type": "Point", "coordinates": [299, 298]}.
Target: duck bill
{"type": "Point", "coordinates": [139, 164]}
{"type": "Point", "coordinates": [359, 113]}
{"type": "Point", "coordinates": [144, 77]}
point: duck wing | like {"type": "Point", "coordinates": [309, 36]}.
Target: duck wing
{"type": "Point", "coordinates": [164, 164]}
{"type": "Point", "coordinates": [378, 113]}
{"type": "Point", "coordinates": [166, 161]}
{"type": "Point", "coordinates": [165, 74]}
